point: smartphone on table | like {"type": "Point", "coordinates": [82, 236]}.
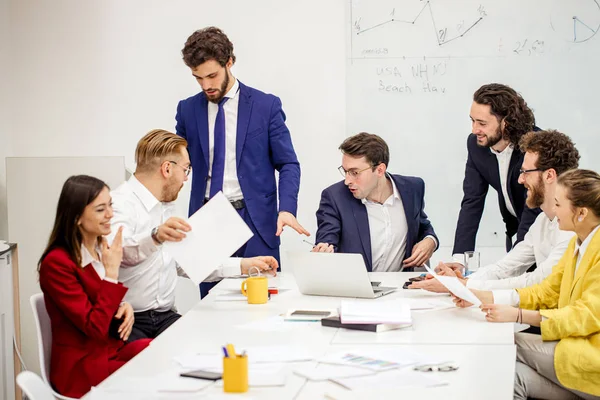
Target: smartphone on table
{"type": "Point", "coordinates": [202, 374]}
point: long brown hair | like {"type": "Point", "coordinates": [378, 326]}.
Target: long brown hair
{"type": "Point", "coordinates": [77, 192]}
{"type": "Point", "coordinates": [506, 104]}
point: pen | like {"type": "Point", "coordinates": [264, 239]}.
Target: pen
{"type": "Point", "coordinates": [306, 241]}
{"type": "Point", "coordinates": [225, 352]}
{"type": "Point", "coordinates": [230, 351]}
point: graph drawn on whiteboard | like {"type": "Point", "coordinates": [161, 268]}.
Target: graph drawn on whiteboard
{"type": "Point", "coordinates": [403, 29]}
{"type": "Point", "coordinates": [381, 27]}
{"type": "Point", "coordinates": [576, 21]}
{"type": "Point", "coordinates": [427, 13]}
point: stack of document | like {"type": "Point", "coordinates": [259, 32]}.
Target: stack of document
{"type": "Point", "coordinates": [394, 312]}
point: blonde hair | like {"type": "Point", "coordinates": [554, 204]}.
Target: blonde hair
{"type": "Point", "coordinates": [155, 147]}
{"type": "Point", "coordinates": [582, 188]}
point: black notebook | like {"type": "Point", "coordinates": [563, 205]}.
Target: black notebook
{"type": "Point", "coordinates": [335, 322]}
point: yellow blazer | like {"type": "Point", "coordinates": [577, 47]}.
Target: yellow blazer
{"type": "Point", "coordinates": [571, 302]}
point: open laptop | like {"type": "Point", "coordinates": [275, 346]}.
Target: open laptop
{"type": "Point", "coordinates": [333, 274]}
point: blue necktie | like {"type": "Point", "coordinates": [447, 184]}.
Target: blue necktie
{"type": "Point", "coordinates": [218, 164]}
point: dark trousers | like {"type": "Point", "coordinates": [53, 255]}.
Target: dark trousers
{"type": "Point", "coordinates": [256, 246]}
{"type": "Point", "coordinates": [150, 324]}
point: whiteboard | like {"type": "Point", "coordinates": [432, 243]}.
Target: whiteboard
{"type": "Point", "coordinates": [413, 67]}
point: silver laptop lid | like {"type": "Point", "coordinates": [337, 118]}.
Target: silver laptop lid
{"type": "Point", "coordinates": [331, 274]}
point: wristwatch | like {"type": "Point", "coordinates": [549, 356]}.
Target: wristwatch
{"type": "Point", "coordinates": [154, 235]}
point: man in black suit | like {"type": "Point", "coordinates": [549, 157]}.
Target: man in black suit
{"type": "Point", "coordinates": [500, 117]}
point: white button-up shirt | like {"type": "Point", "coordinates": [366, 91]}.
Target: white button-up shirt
{"type": "Point", "coordinates": [231, 185]}
{"type": "Point", "coordinates": [388, 230]}
{"type": "Point", "coordinates": [511, 297]}
{"type": "Point", "coordinates": [503, 164]}
{"type": "Point", "coordinates": [148, 270]}
{"type": "Point", "coordinates": [87, 258]}
{"type": "Point", "coordinates": [544, 244]}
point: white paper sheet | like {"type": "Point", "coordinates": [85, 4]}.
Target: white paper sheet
{"type": "Point", "coordinates": [455, 287]}
{"type": "Point", "coordinates": [271, 324]}
{"type": "Point", "coordinates": [325, 372]}
{"type": "Point", "coordinates": [370, 312]}
{"type": "Point", "coordinates": [392, 379]}
{"type": "Point", "coordinates": [217, 232]}
{"type": "Point", "coordinates": [152, 386]}
{"type": "Point", "coordinates": [380, 359]}
{"type": "Point", "coordinates": [417, 304]}
{"type": "Point", "coordinates": [230, 296]}
{"type": "Point", "coordinates": [257, 354]}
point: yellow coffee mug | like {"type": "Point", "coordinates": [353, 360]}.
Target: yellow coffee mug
{"type": "Point", "coordinates": [256, 289]}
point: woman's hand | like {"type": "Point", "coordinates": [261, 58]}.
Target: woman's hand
{"type": "Point", "coordinates": [112, 256]}
{"type": "Point", "coordinates": [500, 312]}
{"type": "Point", "coordinates": [125, 311]}
{"type": "Point", "coordinates": [485, 296]}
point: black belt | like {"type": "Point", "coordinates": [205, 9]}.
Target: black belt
{"type": "Point", "coordinates": [237, 204]}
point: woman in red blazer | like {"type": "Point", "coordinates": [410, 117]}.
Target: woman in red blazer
{"type": "Point", "coordinates": [79, 275]}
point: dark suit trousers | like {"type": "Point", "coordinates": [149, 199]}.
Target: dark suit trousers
{"type": "Point", "coordinates": [150, 324]}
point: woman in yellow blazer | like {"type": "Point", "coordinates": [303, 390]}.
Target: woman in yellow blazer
{"type": "Point", "coordinates": [564, 362]}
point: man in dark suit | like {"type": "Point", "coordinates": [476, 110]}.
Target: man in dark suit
{"type": "Point", "coordinates": [500, 117]}
{"type": "Point", "coordinates": [237, 139]}
{"type": "Point", "coordinates": [374, 213]}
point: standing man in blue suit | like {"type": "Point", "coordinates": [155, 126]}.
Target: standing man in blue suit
{"type": "Point", "coordinates": [500, 117]}
{"type": "Point", "coordinates": [237, 139]}
{"type": "Point", "coordinates": [374, 213]}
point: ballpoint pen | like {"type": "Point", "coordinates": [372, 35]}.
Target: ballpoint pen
{"type": "Point", "coordinates": [306, 241]}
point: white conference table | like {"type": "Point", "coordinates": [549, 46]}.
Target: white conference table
{"type": "Point", "coordinates": [485, 352]}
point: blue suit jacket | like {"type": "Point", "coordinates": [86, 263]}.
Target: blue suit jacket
{"type": "Point", "coordinates": [263, 145]}
{"type": "Point", "coordinates": [481, 172]}
{"type": "Point", "coordinates": [342, 219]}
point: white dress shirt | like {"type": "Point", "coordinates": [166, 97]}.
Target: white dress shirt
{"type": "Point", "coordinates": [503, 164]}
{"type": "Point", "coordinates": [147, 270]}
{"type": "Point", "coordinates": [511, 297]}
{"type": "Point", "coordinates": [544, 244]}
{"type": "Point", "coordinates": [503, 157]}
{"type": "Point", "coordinates": [87, 258]}
{"type": "Point", "coordinates": [388, 230]}
{"type": "Point", "coordinates": [231, 185]}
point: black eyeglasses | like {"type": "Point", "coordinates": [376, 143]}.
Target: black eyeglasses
{"type": "Point", "coordinates": [526, 171]}
{"type": "Point", "coordinates": [187, 169]}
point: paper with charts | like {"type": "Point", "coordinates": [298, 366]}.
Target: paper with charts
{"type": "Point", "coordinates": [217, 232]}
{"type": "Point", "coordinates": [455, 287]}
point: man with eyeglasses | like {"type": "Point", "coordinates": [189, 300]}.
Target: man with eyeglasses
{"type": "Point", "coordinates": [373, 212]}
{"type": "Point", "coordinates": [548, 154]}
{"type": "Point", "coordinates": [500, 117]}
{"type": "Point", "coordinates": [144, 207]}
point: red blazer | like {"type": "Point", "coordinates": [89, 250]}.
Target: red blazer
{"type": "Point", "coordinates": [81, 307]}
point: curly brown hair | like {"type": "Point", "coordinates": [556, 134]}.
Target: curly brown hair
{"type": "Point", "coordinates": [555, 150]}
{"type": "Point", "coordinates": [508, 105]}
{"type": "Point", "coordinates": [207, 44]}
{"type": "Point", "coordinates": [367, 145]}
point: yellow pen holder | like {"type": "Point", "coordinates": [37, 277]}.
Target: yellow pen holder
{"type": "Point", "coordinates": [256, 289]}
{"type": "Point", "coordinates": [235, 374]}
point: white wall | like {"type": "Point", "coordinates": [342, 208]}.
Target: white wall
{"type": "Point", "coordinates": [92, 77]}
{"type": "Point", "coordinates": [5, 121]}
